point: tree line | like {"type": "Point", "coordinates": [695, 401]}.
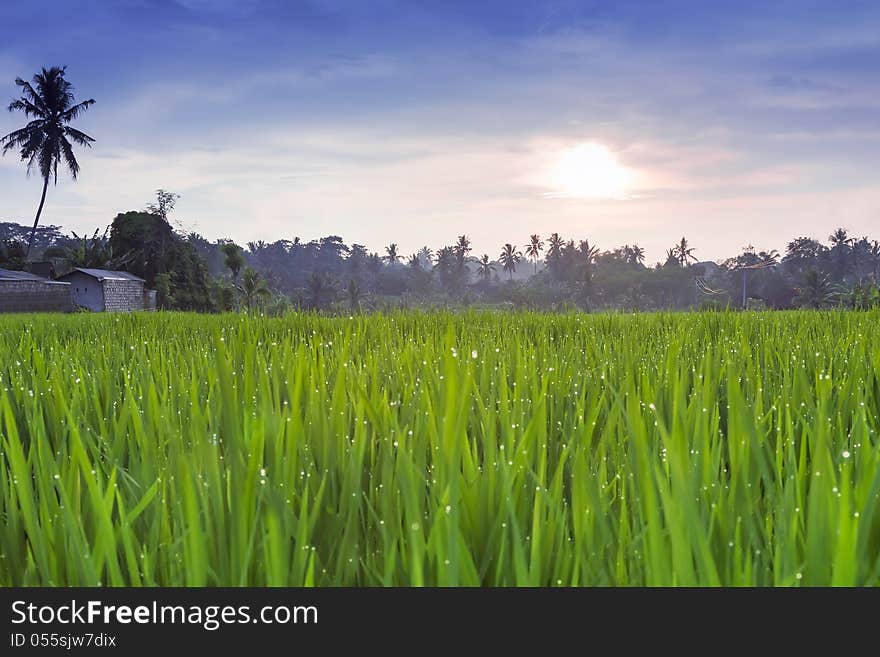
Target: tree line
{"type": "Point", "coordinates": [193, 273]}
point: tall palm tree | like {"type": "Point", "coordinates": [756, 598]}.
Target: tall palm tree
{"type": "Point", "coordinates": [414, 262]}
{"type": "Point", "coordinates": [46, 140]}
{"type": "Point", "coordinates": [391, 254]}
{"type": "Point", "coordinates": [462, 247]}
{"type": "Point", "coordinates": [534, 248]}
{"type": "Point", "coordinates": [509, 257]}
{"type": "Point", "coordinates": [253, 288]}
{"type": "Point", "coordinates": [815, 292]}
{"type": "Point", "coordinates": [426, 255]}
{"type": "Point", "coordinates": [485, 267]}
{"type": "Point", "coordinates": [683, 252]}
{"type": "Point", "coordinates": [875, 259]}
{"type": "Point", "coordinates": [637, 255]}
{"type": "Point", "coordinates": [233, 259]}
{"type": "Point", "coordinates": [839, 237]}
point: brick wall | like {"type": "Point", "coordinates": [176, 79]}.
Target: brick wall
{"type": "Point", "coordinates": [34, 297]}
{"type": "Point", "coordinates": [123, 296]}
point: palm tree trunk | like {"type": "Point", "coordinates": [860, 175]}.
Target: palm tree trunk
{"type": "Point", "coordinates": [37, 219]}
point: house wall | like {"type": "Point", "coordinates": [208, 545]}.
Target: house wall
{"type": "Point", "coordinates": [34, 296]}
{"type": "Point", "coordinates": [123, 296]}
{"type": "Point", "coordinates": [149, 299]}
{"type": "Point", "coordinates": [86, 291]}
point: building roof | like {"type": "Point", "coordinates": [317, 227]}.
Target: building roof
{"type": "Point", "coordinates": [10, 275]}
{"type": "Point", "coordinates": [106, 274]}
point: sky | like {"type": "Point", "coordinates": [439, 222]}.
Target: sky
{"type": "Point", "coordinates": [382, 121]}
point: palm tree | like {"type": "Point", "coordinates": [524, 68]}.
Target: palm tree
{"type": "Point", "coordinates": [683, 253]}
{"type": "Point", "coordinates": [391, 254]}
{"type": "Point", "coordinates": [636, 255]}
{"type": "Point", "coordinates": [414, 262]}
{"type": "Point", "coordinates": [354, 294]}
{"type": "Point", "coordinates": [816, 290]}
{"type": "Point", "coordinates": [839, 237]}
{"type": "Point", "coordinates": [671, 259]}
{"type": "Point", "coordinates": [426, 255]}
{"type": "Point", "coordinates": [46, 139]}
{"type": "Point", "coordinates": [509, 257]}
{"type": "Point", "coordinates": [320, 290]}
{"type": "Point", "coordinates": [875, 259]}
{"type": "Point", "coordinates": [462, 247]}
{"type": "Point", "coordinates": [233, 260]}
{"type": "Point", "coordinates": [534, 248]}
{"type": "Point", "coordinates": [253, 287]}
{"type": "Point", "coordinates": [485, 267]}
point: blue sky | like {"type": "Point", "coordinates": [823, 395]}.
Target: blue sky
{"type": "Point", "coordinates": [414, 122]}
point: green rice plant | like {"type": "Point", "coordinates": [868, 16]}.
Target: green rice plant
{"type": "Point", "coordinates": [440, 449]}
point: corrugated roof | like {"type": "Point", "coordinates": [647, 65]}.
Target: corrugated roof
{"type": "Point", "coordinates": [10, 275]}
{"type": "Point", "coordinates": [103, 274]}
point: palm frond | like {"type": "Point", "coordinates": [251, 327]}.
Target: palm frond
{"type": "Point", "coordinates": [33, 97]}
{"type": "Point", "coordinates": [78, 137]}
{"type": "Point", "coordinates": [76, 110]}
{"type": "Point", "coordinates": [69, 157]}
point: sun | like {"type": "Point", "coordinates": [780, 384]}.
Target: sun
{"type": "Point", "coordinates": [589, 171]}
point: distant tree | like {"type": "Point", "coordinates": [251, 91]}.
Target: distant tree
{"type": "Point", "coordinates": [534, 248]}
{"type": "Point", "coordinates": [461, 249]}
{"type": "Point", "coordinates": [163, 205]}
{"type": "Point", "coordinates": [94, 252]}
{"type": "Point", "coordinates": [12, 254]}
{"type": "Point", "coordinates": [234, 259]}
{"type": "Point", "coordinates": [815, 291]}
{"type": "Point", "coordinates": [683, 252]}
{"type": "Point", "coordinates": [509, 258]}
{"type": "Point", "coordinates": [554, 254]}
{"type": "Point", "coordinates": [485, 267]}
{"type": "Point", "coordinates": [841, 250]}
{"type": "Point", "coordinates": [671, 259]}
{"type": "Point", "coordinates": [426, 256]}
{"type": "Point", "coordinates": [414, 262]}
{"type": "Point", "coordinates": [445, 266]}
{"type": "Point", "coordinates": [46, 140]}
{"type": "Point", "coordinates": [253, 288]}
{"type": "Point", "coordinates": [353, 293]}
{"type": "Point", "coordinates": [636, 255]}
{"type": "Point", "coordinates": [320, 291]}
{"type": "Point", "coordinates": [391, 254]}
{"type": "Point", "coordinates": [874, 254]}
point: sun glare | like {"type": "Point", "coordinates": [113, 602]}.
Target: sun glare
{"type": "Point", "coordinates": [589, 170]}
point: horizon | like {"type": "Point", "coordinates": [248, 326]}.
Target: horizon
{"type": "Point", "coordinates": [414, 124]}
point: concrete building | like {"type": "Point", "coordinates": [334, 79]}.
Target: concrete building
{"type": "Point", "coordinates": [101, 290]}
{"type": "Point", "coordinates": [23, 292]}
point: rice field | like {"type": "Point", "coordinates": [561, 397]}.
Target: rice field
{"type": "Point", "coordinates": [435, 449]}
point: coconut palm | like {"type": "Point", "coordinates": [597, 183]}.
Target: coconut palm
{"type": "Point", "coordinates": [253, 288]}
{"type": "Point", "coordinates": [46, 140]}
{"type": "Point", "coordinates": [353, 293]}
{"type": "Point", "coordinates": [414, 262]}
{"type": "Point", "coordinates": [509, 257]}
{"type": "Point", "coordinates": [426, 255]}
{"type": "Point", "coordinates": [391, 254]}
{"type": "Point", "coordinates": [462, 247]}
{"type": "Point", "coordinates": [534, 248]}
{"type": "Point", "coordinates": [816, 290]}
{"type": "Point", "coordinates": [683, 252]}
{"type": "Point", "coordinates": [636, 255]}
{"type": "Point", "coordinates": [485, 267]}
{"type": "Point", "coordinates": [233, 259]}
